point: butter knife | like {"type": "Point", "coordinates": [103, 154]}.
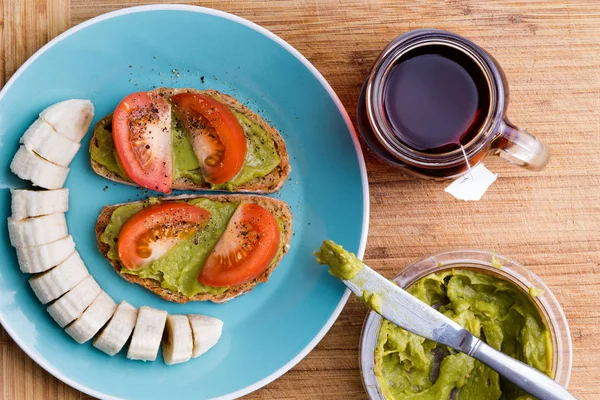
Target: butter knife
{"type": "Point", "coordinates": [408, 312]}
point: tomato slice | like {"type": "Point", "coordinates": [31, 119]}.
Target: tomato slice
{"type": "Point", "coordinates": [217, 137]}
{"type": "Point", "coordinates": [245, 250]}
{"type": "Point", "coordinates": [153, 231]}
{"type": "Point", "coordinates": [142, 134]}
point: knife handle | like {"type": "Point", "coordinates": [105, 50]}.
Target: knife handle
{"type": "Point", "coordinates": [527, 378]}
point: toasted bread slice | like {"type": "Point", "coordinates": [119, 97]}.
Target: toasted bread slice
{"type": "Point", "coordinates": [277, 207]}
{"type": "Point", "coordinates": [269, 183]}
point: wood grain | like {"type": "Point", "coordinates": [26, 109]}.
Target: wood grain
{"type": "Point", "coordinates": [550, 221]}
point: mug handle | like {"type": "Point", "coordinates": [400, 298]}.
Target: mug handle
{"type": "Point", "coordinates": [520, 147]}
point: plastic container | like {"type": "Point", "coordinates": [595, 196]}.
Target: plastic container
{"type": "Point", "coordinates": [485, 262]}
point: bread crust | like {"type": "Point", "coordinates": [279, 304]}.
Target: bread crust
{"type": "Point", "coordinates": [269, 183]}
{"type": "Point", "coordinates": [277, 207]}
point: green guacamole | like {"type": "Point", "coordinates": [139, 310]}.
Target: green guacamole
{"type": "Point", "coordinates": [261, 155]}
{"type": "Point", "coordinates": [179, 268]}
{"type": "Point", "coordinates": [345, 265]}
{"type": "Point", "coordinates": [373, 301]}
{"type": "Point", "coordinates": [103, 150]}
{"type": "Point", "coordinates": [492, 309]}
{"type": "Point", "coordinates": [342, 264]}
{"type": "Point", "coordinates": [185, 163]}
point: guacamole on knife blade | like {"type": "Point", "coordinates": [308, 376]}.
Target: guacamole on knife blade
{"type": "Point", "coordinates": [342, 264]}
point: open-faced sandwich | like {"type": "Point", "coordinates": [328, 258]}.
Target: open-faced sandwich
{"type": "Point", "coordinates": [189, 139]}
{"type": "Point", "coordinates": [196, 248]}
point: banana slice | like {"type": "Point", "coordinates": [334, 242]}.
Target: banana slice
{"type": "Point", "coordinates": [70, 306]}
{"type": "Point", "coordinates": [54, 283]}
{"type": "Point", "coordinates": [44, 141]}
{"type": "Point", "coordinates": [116, 333]}
{"type": "Point", "coordinates": [178, 343]}
{"type": "Point", "coordinates": [206, 332]}
{"type": "Point", "coordinates": [29, 166]}
{"type": "Point", "coordinates": [36, 259]}
{"type": "Point", "coordinates": [70, 118]}
{"type": "Point", "coordinates": [33, 203]}
{"type": "Point", "coordinates": [147, 334]}
{"type": "Point", "coordinates": [37, 231]}
{"type": "Point", "coordinates": [92, 319]}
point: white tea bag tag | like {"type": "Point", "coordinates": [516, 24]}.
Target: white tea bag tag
{"type": "Point", "coordinates": [472, 185]}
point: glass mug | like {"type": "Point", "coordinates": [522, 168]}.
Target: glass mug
{"type": "Point", "coordinates": [495, 134]}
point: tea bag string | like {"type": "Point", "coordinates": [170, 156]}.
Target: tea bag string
{"type": "Point", "coordinates": [467, 160]}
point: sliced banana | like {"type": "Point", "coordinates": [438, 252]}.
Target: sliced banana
{"type": "Point", "coordinates": [70, 306]}
{"type": "Point", "coordinates": [147, 334]}
{"type": "Point", "coordinates": [92, 319]}
{"type": "Point", "coordinates": [54, 283]}
{"type": "Point", "coordinates": [31, 167]}
{"type": "Point", "coordinates": [206, 332]}
{"type": "Point", "coordinates": [33, 203]}
{"type": "Point", "coordinates": [36, 259]}
{"type": "Point", "coordinates": [178, 343]}
{"type": "Point", "coordinates": [70, 118]}
{"type": "Point", "coordinates": [118, 330]}
{"type": "Point", "coordinates": [37, 231]}
{"type": "Point", "coordinates": [44, 141]}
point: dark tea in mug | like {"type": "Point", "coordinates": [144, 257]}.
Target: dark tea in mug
{"type": "Point", "coordinates": [435, 104]}
{"type": "Point", "coordinates": [436, 98]}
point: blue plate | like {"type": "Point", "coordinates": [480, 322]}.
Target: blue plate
{"type": "Point", "coordinates": [272, 328]}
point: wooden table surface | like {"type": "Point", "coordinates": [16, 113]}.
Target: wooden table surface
{"type": "Point", "coordinates": [549, 221]}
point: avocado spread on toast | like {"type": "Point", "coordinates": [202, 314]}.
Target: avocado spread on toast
{"type": "Point", "coordinates": [492, 309]}
{"type": "Point", "coordinates": [179, 268]}
{"type": "Point", "coordinates": [261, 155]}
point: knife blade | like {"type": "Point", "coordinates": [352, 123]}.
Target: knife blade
{"type": "Point", "coordinates": [408, 312]}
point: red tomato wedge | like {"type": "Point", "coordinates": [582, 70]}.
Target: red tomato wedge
{"type": "Point", "coordinates": [141, 131]}
{"type": "Point", "coordinates": [217, 137]}
{"type": "Point", "coordinates": [153, 231]}
{"type": "Point", "coordinates": [245, 250]}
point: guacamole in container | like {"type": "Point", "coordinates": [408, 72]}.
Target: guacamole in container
{"type": "Point", "coordinates": [494, 298]}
